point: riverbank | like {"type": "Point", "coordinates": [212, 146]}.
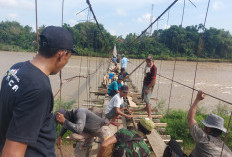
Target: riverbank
{"type": "Point", "coordinates": [13, 48]}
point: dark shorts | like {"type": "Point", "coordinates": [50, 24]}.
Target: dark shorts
{"type": "Point", "coordinates": [112, 113]}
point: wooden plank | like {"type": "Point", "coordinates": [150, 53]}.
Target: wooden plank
{"type": "Point", "coordinates": [157, 143]}
{"type": "Point", "coordinates": [161, 124]}
{"type": "Point", "coordinates": [131, 103]}
{"type": "Point", "coordinates": [124, 122]}
{"type": "Point", "coordinates": [154, 120]}
{"type": "Point", "coordinates": [167, 140]}
{"type": "Point", "coordinates": [156, 124]}
{"type": "Point", "coordinates": [98, 93]}
{"type": "Point", "coordinates": [106, 101]}
{"type": "Point", "coordinates": [153, 116]}
{"type": "Point", "coordinates": [165, 137]}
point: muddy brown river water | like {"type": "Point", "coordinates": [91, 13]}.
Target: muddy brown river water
{"type": "Point", "coordinates": [212, 78]}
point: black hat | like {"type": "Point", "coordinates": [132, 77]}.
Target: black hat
{"type": "Point", "coordinates": [56, 37]}
{"type": "Point", "coordinates": [174, 145]}
{"type": "Point", "coordinates": [124, 88]}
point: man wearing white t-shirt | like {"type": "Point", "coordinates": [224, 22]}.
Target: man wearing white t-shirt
{"type": "Point", "coordinates": [115, 108]}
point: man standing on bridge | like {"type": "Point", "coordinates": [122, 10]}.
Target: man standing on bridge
{"type": "Point", "coordinates": [149, 83]}
{"type": "Point", "coordinates": [26, 99]}
{"type": "Point", "coordinates": [124, 61]}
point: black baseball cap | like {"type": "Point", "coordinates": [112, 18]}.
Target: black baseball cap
{"type": "Point", "coordinates": [56, 37]}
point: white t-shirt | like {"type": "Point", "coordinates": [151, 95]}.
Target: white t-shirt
{"type": "Point", "coordinates": [116, 101]}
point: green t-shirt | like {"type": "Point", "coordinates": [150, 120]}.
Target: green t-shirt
{"type": "Point", "coordinates": [130, 143]}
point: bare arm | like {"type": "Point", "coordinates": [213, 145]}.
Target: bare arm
{"type": "Point", "coordinates": [118, 111]}
{"type": "Point", "coordinates": [14, 149]}
{"type": "Point", "coordinates": [192, 111]}
{"type": "Point", "coordinates": [105, 144]}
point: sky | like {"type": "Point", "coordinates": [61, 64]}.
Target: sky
{"type": "Point", "coordinates": [119, 17]}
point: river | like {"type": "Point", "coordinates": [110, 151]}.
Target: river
{"type": "Point", "coordinates": [213, 78]}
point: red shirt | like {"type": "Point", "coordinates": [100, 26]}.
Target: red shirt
{"type": "Point", "coordinates": [150, 75]}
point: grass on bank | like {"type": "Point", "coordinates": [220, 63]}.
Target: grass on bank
{"type": "Point", "coordinates": [67, 105]}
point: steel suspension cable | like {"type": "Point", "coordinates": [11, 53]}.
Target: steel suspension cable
{"type": "Point", "coordinates": [60, 100]}
{"type": "Point", "coordinates": [37, 33]}
{"type": "Point", "coordinates": [144, 31]}
{"type": "Point", "coordinates": [174, 68]}
{"type": "Point", "coordinates": [227, 132]}
{"type": "Point", "coordinates": [196, 68]}
{"type": "Point", "coordinates": [161, 63]}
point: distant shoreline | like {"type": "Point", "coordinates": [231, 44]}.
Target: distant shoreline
{"type": "Point", "coordinates": [94, 54]}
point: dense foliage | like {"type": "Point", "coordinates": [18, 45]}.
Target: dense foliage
{"type": "Point", "coordinates": [175, 41]}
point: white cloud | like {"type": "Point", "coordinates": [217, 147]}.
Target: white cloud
{"type": "Point", "coordinates": [112, 32]}
{"type": "Point", "coordinates": [144, 18]}
{"type": "Point", "coordinates": [166, 26]}
{"type": "Point", "coordinates": [72, 22]}
{"type": "Point", "coordinates": [19, 4]}
{"type": "Point", "coordinates": [121, 12]}
{"type": "Point", "coordinates": [12, 16]}
{"type": "Point", "coordinates": [218, 5]}
{"type": "Point", "coordinates": [33, 27]}
{"type": "Point", "coordinates": [120, 24]}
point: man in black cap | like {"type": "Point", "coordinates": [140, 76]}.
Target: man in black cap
{"type": "Point", "coordinates": [208, 141]}
{"type": "Point", "coordinates": [26, 99]}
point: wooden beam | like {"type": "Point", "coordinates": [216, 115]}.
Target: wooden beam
{"type": "Point", "coordinates": [157, 143]}
{"type": "Point", "coordinates": [165, 137]}
{"type": "Point", "coordinates": [154, 120]}
{"type": "Point", "coordinates": [156, 124]}
{"type": "Point", "coordinates": [106, 101]}
{"type": "Point", "coordinates": [153, 116]}
{"type": "Point", "coordinates": [124, 122]}
{"type": "Point", "coordinates": [131, 103]}
{"type": "Point", "coordinates": [98, 93]}
{"type": "Point", "coordinates": [167, 140]}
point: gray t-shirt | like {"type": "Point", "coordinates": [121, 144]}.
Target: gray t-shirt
{"type": "Point", "coordinates": [83, 120]}
{"type": "Point", "coordinates": [207, 145]}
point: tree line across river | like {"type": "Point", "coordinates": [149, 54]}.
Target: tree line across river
{"type": "Point", "coordinates": [168, 43]}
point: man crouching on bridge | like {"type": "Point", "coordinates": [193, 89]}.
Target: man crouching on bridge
{"type": "Point", "coordinates": [85, 125]}
{"type": "Point", "coordinates": [115, 106]}
{"type": "Point", "coordinates": [208, 142]}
